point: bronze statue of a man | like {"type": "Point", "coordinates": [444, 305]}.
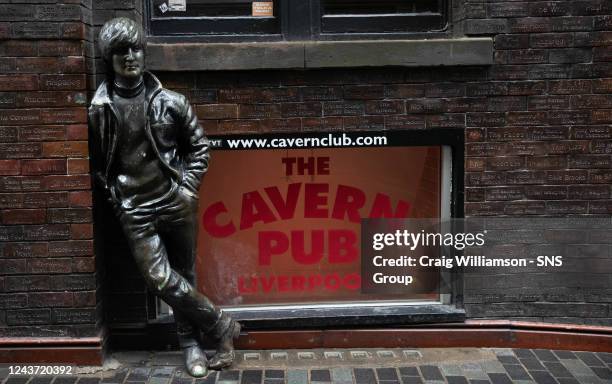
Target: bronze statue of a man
{"type": "Point", "coordinates": [149, 154]}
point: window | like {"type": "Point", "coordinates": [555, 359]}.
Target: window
{"type": "Point", "coordinates": [293, 20]}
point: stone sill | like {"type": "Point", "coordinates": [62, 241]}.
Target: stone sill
{"type": "Point", "coordinates": [318, 54]}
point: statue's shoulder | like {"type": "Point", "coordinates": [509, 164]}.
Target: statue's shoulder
{"type": "Point", "coordinates": [101, 96]}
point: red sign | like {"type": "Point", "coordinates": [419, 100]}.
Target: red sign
{"type": "Point", "coordinates": [283, 226]}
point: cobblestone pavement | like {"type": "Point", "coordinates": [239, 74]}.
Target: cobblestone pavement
{"type": "Point", "coordinates": [349, 366]}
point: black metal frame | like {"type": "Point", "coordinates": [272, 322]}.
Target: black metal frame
{"type": "Point", "coordinates": [298, 20]}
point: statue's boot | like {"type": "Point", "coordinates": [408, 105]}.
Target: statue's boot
{"type": "Point", "coordinates": [195, 361]}
{"type": "Point", "coordinates": [224, 356]}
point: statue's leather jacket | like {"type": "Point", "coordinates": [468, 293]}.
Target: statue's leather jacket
{"type": "Point", "coordinates": [171, 126]}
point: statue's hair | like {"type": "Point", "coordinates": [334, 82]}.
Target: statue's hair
{"type": "Point", "coordinates": [118, 33]}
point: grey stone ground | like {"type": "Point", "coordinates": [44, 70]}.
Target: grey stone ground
{"type": "Point", "coordinates": [350, 366]}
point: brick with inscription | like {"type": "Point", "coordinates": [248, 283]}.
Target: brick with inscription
{"type": "Point", "coordinates": [570, 117]}
{"type": "Point", "coordinates": [46, 232]}
{"type": "Point", "coordinates": [570, 24]}
{"type": "Point", "coordinates": [600, 176]}
{"type": "Point", "coordinates": [592, 39]}
{"type": "Point", "coordinates": [484, 209]}
{"type": "Point", "coordinates": [527, 56]}
{"type": "Point", "coordinates": [50, 299]}
{"type": "Point", "coordinates": [527, 148]}
{"type": "Point", "coordinates": [13, 301]}
{"type": "Point", "coordinates": [28, 316]}
{"type": "Point", "coordinates": [526, 177]}
{"type": "Point", "coordinates": [549, 133]}
{"type": "Point", "coordinates": [485, 178]}
{"type": "Point", "coordinates": [550, 40]}
{"type": "Point", "coordinates": [20, 150]}
{"type": "Point", "coordinates": [84, 264]}
{"type": "Point", "coordinates": [63, 82]}
{"type": "Point", "coordinates": [259, 111]}
{"type": "Point", "coordinates": [12, 266]}
{"type": "Point", "coordinates": [42, 133]}
{"type": "Point", "coordinates": [45, 199]}
{"type": "Point", "coordinates": [601, 146]}
{"type": "Point", "coordinates": [23, 216]}
{"type": "Point", "coordinates": [448, 120]}
{"type": "Point", "coordinates": [474, 164]}
{"type": "Point", "coordinates": [22, 250]}
{"type": "Point", "coordinates": [60, 48]}
{"type": "Point", "coordinates": [525, 208]}
{"type": "Point", "coordinates": [239, 126]}
{"type": "Point", "coordinates": [589, 161]}
{"type": "Point", "coordinates": [49, 265]}
{"type": "Point", "coordinates": [467, 104]}
{"type": "Point", "coordinates": [485, 119]}
{"type": "Point", "coordinates": [403, 91]}
{"type": "Point", "coordinates": [84, 299]}
{"type": "Point", "coordinates": [16, 12]}
{"type": "Point", "coordinates": [70, 215]}
{"type": "Point", "coordinates": [563, 147]}
{"type": "Point", "coordinates": [486, 27]}
{"type": "Point", "coordinates": [364, 92]}
{"type": "Point", "coordinates": [487, 89]}
{"type": "Point", "coordinates": [43, 167]}
{"type": "Point", "coordinates": [399, 122]}
{"type": "Point", "coordinates": [507, 134]}
{"type": "Point", "coordinates": [549, 71]}
{"type": "Point", "coordinates": [445, 90]}
{"type": "Point", "coordinates": [277, 95]}
{"type": "Point", "coordinates": [507, 103]}
{"type": "Point", "coordinates": [27, 283]}
{"type": "Point", "coordinates": [549, 102]}
{"type": "Point", "coordinates": [281, 125]}
{"type": "Point", "coordinates": [566, 207]}
{"type": "Point", "coordinates": [485, 149]}
{"type": "Point", "coordinates": [475, 10]}
{"type": "Point", "coordinates": [591, 132]}
{"type": "Point", "coordinates": [10, 167]}
{"type": "Point", "coordinates": [308, 109]}
{"type": "Point", "coordinates": [601, 116]}
{"type": "Point", "coordinates": [17, 48]}
{"type": "Point", "coordinates": [566, 87]}
{"type": "Point", "coordinates": [511, 41]}
{"type": "Point", "coordinates": [8, 134]}
{"type": "Point", "coordinates": [509, 72]}
{"type": "Point", "coordinates": [69, 182]}
{"type": "Point", "coordinates": [549, 8]}
{"type": "Point", "coordinates": [384, 107]}
{"type": "Point", "coordinates": [364, 123]}
{"type": "Point", "coordinates": [526, 88]}
{"type": "Point", "coordinates": [504, 193]}
{"type": "Point", "coordinates": [566, 177]}
{"type": "Point", "coordinates": [474, 134]}
{"type": "Point", "coordinates": [327, 124]}
{"type": "Point", "coordinates": [20, 116]}
{"type": "Point", "coordinates": [570, 55]}
{"type": "Point", "coordinates": [57, 12]}
{"type": "Point", "coordinates": [591, 7]}
{"type": "Point", "coordinates": [425, 105]}
{"type": "Point", "coordinates": [504, 163]}
{"type": "Point", "coordinates": [74, 316]}
{"type": "Point", "coordinates": [11, 233]}
{"type": "Point", "coordinates": [540, 192]}
{"type": "Point", "coordinates": [35, 30]}
{"type": "Point", "coordinates": [78, 166]}
{"type": "Point", "coordinates": [321, 93]}
{"type": "Point", "coordinates": [50, 99]}
{"type": "Point", "coordinates": [11, 200]}
{"type": "Point", "coordinates": [545, 162]}
{"type": "Point", "coordinates": [71, 248]}
{"type": "Point", "coordinates": [591, 101]}
{"type": "Point", "coordinates": [589, 192]}
{"type": "Point", "coordinates": [64, 115]}
{"type": "Point", "coordinates": [527, 118]}
{"type": "Point", "coordinates": [530, 25]}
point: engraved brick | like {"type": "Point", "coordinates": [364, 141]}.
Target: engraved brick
{"type": "Point", "coordinates": [364, 92]}
{"type": "Point", "coordinates": [475, 10]}
{"type": "Point", "coordinates": [19, 150]}
{"type": "Point", "coordinates": [217, 111]}
{"type": "Point", "coordinates": [505, 163]}
{"type": "Point", "coordinates": [570, 55]}
{"type": "Point", "coordinates": [309, 109]}
{"type": "Point", "coordinates": [16, 12]}
{"type": "Point", "coordinates": [474, 194]}
{"type": "Point", "coordinates": [591, 7]}
{"type": "Point", "coordinates": [568, 147]}
{"type": "Point", "coordinates": [600, 207]}
{"type": "Point", "coordinates": [76, 132]}
{"type": "Point", "coordinates": [321, 93]}
{"type": "Point", "coordinates": [603, 22]}
{"type": "Point", "coordinates": [591, 101]}
{"type": "Point", "coordinates": [589, 161]}
{"type": "Point", "coordinates": [592, 132]}
{"type": "Point", "coordinates": [448, 120]}
{"type": "Point", "coordinates": [507, 103]}
{"type": "Point", "coordinates": [566, 177]}
{"type": "Point", "coordinates": [549, 102]}
{"type": "Point", "coordinates": [485, 178]}
{"type": "Point", "coordinates": [507, 134]}
{"type": "Point", "coordinates": [549, 133]}
{"type": "Point", "coordinates": [473, 164]}
{"type": "Point", "coordinates": [425, 105]}
{"type": "Point", "coordinates": [474, 134]}
{"type": "Point", "coordinates": [20, 116]}
{"type": "Point", "coordinates": [527, 56]}
{"type": "Point", "coordinates": [12, 267]}
{"type": "Point", "coordinates": [525, 208]}
{"type": "Point", "coordinates": [28, 317]}
{"type": "Point", "coordinates": [486, 27]}
{"type": "Point", "coordinates": [571, 24]}
{"type": "Point", "coordinates": [198, 96]}
{"type": "Point", "coordinates": [487, 89]}
{"type": "Point", "coordinates": [11, 233]}
{"type": "Point", "coordinates": [43, 167]}
{"type": "Point", "coordinates": [83, 282]}
{"type": "Point", "coordinates": [601, 147]}
{"type": "Point", "coordinates": [600, 176]}
{"type": "Point", "coordinates": [539, 192]}
{"type": "Point", "coordinates": [592, 39]}
{"type": "Point", "coordinates": [526, 177]}
{"type": "Point", "coordinates": [509, 9]}
{"type": "Point", "coordinates": [404, 122]}
{"type": "Point", "coordinates": [277, 95]}
{"type": "Point", "coordinates": [70, 215]}
{"type": "Point", "coordinates": [504, 193]}
{"type": "Point", "coordinates": [588, 192]}
{"type": "Point", "coordinates": [74, 316]}
{"type": "Point", "coordinates": [71, 248]}
{"type": "Point", "coordinates": [16, 184]}
{"type": "Point", "coordinates": [602, 86]}
{"type": "Point", "coordinates": [549, 71]}
{"type": "Point", "coordinates": [70, 182]}
{"type": "Point", "coordinates": [64, 115]}
{"type": "Point", "coordinates": [527, 148]}
{"type": "Point", "coordinates": [45, 200]}
{"type": "Point", "coordinates": [341, 108]}
{"type": "Point", "coordinates": [485, 149]}
{"type": "Point", "coordinates": [11, 200]}
{"type": "Point", "coordinates": [48, 99]}
{"type": "Point", "coordinates": [8, 134]}
{"type": "Point", "coordinates": [35, 30]}
{"type": "Point", "coordinates": [326, 124]}
{"type": "Point", "coordinates": [549, 8]}
{"type": "Point", "coordinates": [384, 107]}
{"type": "Point", "coordinates": [46, 232]}
{"type": "Point", "coordinates": [566, 207]}
{"type": "Point", "coordinates": [484, 209]}
{"type": "Point", "coordinates": [363, 123]}
{"type": "Point", "coordinates": [60, 48]}
{"type": "Point", "coordinates": [63, 82]}
{"type": "Point", "coordinates": [545, 162]}
{"type": "Point", "coordinates": [511, 41]}
{"type": "Point", "coordinates": [49, 265]}
{"type": "Point", "coordinates": [526, 88]}
{"type": "Point", "coordinates": [467, 104]}
{"type": "Point", "coordinates": [57, 12]}
{"type": "Point", "coordinates": [22, 250]}
{"type": "Point", "coordinates": [17, 48]}
{"type": "Point", "coordinates": [445, 90]}
{"type": "Point", "coordinates": [404, 91]}
{"type": "Point", "coordinates": [570, 117]}
{"type": "Point", "coordinates": [238, 95]}
{"type": "Point", "coordinates": [601, 116]}
{"type": "Point", "coordinates": [23, 216]}
{"type": "Point", "coordinates": [28, 283]}
{"type": "Point", "coordinates": [485, 119]}
{"type": "Point", "coordinates": [281, 125]}
{"type": "Point", "coordinates": [259, 111]}
{"type": "Point", "coordinates": [530, 25]}
{"type": "Point", "coordinates": [509, 72]}
{"type": "Point", "coordinates": [527, 118]}
{"type": "Point", "coordinates": [42, 133]}
{"type": "Point", "coordinates": [13, 301]}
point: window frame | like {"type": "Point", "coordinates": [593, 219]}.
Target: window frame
{"type": "Point", "coordinates": [300, 20]}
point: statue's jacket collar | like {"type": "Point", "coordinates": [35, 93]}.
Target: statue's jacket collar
{"type": "Point", "coordinates": [109, 129]}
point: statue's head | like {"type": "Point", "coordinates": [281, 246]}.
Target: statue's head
{"type": "Point", "coordinates": [121, 42]}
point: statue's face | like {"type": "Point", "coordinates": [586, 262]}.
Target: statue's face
{"type": "Point", "coordinates": [128, 62]}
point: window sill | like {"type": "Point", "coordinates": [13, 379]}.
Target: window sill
{"type": "Point", "coordinates": [318, 54]}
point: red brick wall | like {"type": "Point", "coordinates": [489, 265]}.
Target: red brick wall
{"type": "Point", "coordinates": [47, 267]}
